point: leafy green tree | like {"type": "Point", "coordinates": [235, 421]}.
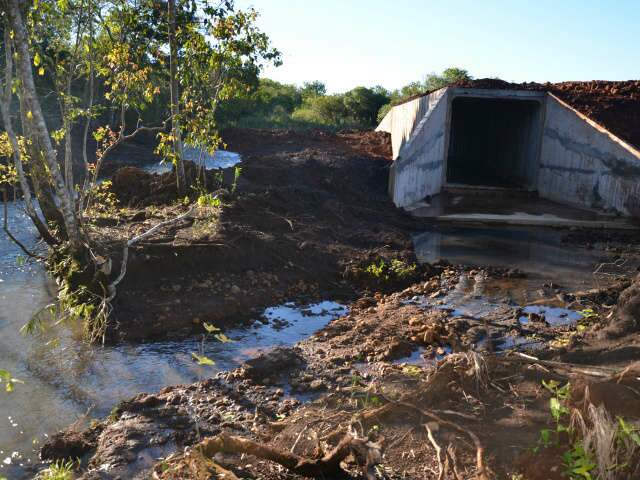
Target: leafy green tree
{"type": "Point", "coordinates": [313, 89]}
{"type": "Point", "coordinates": [362, 104]}
{"type": "Point", "coordinates": [447, 77]}
{"type": "Point", "coordinates": [198, 54]}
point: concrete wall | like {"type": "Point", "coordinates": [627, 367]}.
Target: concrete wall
{"type": "Point", "coordinates": [576, 161]}
{"type": "Point", "coordinates": [418, 168]}
{"type": "Point", "coordinates": [402, 120]}
{"type": "Point", "coordinates": [583, 164]}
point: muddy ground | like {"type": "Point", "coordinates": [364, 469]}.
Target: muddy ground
{"type": "Point", "coordinates": [309, 210]}
{"type": "Point", "coordinates": [406, 385]}
{"type": "Point", "coordinates": [395, 370]}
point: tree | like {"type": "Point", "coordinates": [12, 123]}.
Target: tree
{"type": "Point", "coordinates": [313, 89]}
{"type": "Point", "coordinates": [212, 51]}
{"type": "Point", "coordinates": [362, 104]}
{"type": "Point", "coordinates": [449, 76]}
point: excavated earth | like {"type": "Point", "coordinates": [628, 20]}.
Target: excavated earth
{"type": "Point", "coordinates": [309, 210]}
{"type": "Point", "coordinates": [406, 371]}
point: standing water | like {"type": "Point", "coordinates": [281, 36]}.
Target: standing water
{"type": "Point", "coordinates": [67, 381]}
{"type": "Point", "coordinates": [220, 160]}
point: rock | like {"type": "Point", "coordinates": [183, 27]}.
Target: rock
{"type": "Point", "coordinates": [236, 290]}
{"type": "Point", "coordinates": [279, 360]}
{"type": "Point", "coordinates": [316, 385]}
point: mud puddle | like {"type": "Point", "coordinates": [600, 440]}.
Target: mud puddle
{"type": "Point", "coordinates": [540, 254]}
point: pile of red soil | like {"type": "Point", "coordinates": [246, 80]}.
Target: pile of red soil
{"type": "Point", "coordinates": [613, 104]}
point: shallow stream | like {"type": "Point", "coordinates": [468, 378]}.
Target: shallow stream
{"type": "Point", "coordinates": [67, 381]}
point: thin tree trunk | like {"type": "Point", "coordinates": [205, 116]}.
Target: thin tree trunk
{"type": "Point", "coordinates": [38, 124]}
{"type": "Point", "coordinates": [5, 107]}
{"type": "Point", "coordinates": [175, 99]}
{"type": "Point", "coordinates": [68, 153]}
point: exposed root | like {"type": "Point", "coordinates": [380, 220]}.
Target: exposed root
{"type": "Point", "coordinates": [366, 452]}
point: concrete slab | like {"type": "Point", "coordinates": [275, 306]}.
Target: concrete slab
{"type": "Point", "coordinates": [505, 207]}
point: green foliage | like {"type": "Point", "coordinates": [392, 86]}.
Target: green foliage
{"type": "Point", "coordinates": [9, 381]}
{"type": "Point", "coordinates": [393, 270]}
{"type": "Point", "coordinates": [433, 81]}
{"type": "Point", "coordinates": [277, 105]}
{"type": "Point", "coordinates": [202, 359]}
{"type": "Point", "coordinates": [578, 463]}
{"type": "Point", "coordinates": [104, 203]}
{"type": "Point", "coordinates": [558, 411]}
{"type": "Point", "coordinates": [59, 470]}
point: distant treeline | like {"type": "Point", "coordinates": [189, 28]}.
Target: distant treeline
{"type": "Point", "coordinates": [278, 105]}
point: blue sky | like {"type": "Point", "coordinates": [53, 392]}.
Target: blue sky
{"type": "Point", "coordinates": [346, 43]}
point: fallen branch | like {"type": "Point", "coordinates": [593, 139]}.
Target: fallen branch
{"type": "Point", "coordinates": [441, 470]}
{"type": "Point", "coordinates": [133, 241]}
{"type": "Point", "coordinates": [322, 467]}
{"type": "Point", "coordinates": [589, 370]}
{"type": "Point", "coordinates": [481, 470]}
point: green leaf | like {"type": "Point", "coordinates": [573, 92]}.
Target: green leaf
{"type": "Point", "coordinates": [202, 360]}
{"type": "Point", "coordinates": [221, 337]}
{"type": "Point", "coordinates": [210, 328]}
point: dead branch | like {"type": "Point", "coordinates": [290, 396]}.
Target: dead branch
{"type": "Point", "coordinates": [589, 370]}
{"type": "Point", "coordinates": [125, 252]}
{"type": "Point", "coordinates": [328, 465]}
{"type": "Point", "coordinates": [482, 471]}
{"type": "Point", "coordinates": [441, 469]}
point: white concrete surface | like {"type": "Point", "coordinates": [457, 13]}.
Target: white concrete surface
{"type": "Point", "coordinates": [576, 161]}
{"type": "Point", "coordinates": [583, 164]}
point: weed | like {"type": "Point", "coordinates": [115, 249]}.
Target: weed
{"type": "Point", "coordinates": [237, 171]}
{"type": "Point", "coordinates": [559, 412]}
{"type": "Point", "coordinates": [393, 270]}
{"type": "Point", "coordinates": [59, 470]}
{"type": "Point", "coordinates": [8, 380]}
{"type": "Point", "coordinates": [412, 370]}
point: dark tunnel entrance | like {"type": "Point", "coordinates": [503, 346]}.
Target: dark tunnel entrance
{"type": "Point", "coordinates": [494, 142]}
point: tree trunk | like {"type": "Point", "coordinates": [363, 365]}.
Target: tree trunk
{"type": "Point", "coordinates": [175, 99]}
{"type": "Point", "coordinates": [5, 107]}
{"type": "Point", "coordinates": [38, 173]}
{"type": "Point", "coordinates": [38, 125]}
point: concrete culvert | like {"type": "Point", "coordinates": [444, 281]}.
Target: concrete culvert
{"type": "Point", "coordinates": [494, 142]}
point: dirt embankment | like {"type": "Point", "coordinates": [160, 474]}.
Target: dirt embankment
{"type": "Point", "coordinates": [310, 208]}
{"type": "Point", "coordinates": [613, 104]}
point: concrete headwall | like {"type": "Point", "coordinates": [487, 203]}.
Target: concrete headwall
{"type": "Point", "coordinates": [583, 164]}
{"type": "Point", "coordinates": [402, 120]}
{"type": "Point", "coordinates": [418, 169]}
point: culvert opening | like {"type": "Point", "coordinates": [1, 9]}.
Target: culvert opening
{"type": "Point", "coordinates": [494, 142]}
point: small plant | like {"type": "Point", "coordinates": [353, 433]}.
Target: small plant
{"type": "Point", "coordinates": [412, 370]}
{"type": "Point", "coordinates": [104, 202]}
{"type": "Point", "coordinates": [209, 200]}
{"type": "Point", "coordinates": [59, 470]}
{"type": "Point", "coordinates": [393, 270]}
{"type": "Point", "coordinates": [578, 462]}
{"type": "Point", "coordinates": [9, 381]}
{"type": "Point", "coordinates": [559, 412]}
{"type": "Point", "coordinates": [237, 171]}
